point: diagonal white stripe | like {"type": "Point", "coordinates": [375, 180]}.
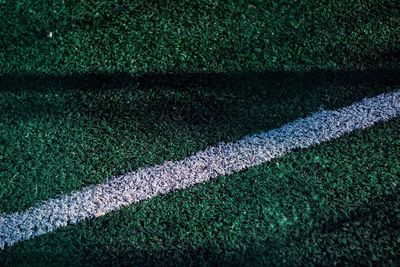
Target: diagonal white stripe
{"type": "Point", "coordinates": [223, 159]}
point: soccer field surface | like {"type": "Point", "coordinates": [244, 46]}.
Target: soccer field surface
{"type": "Point", "coordinates": [91, 90]}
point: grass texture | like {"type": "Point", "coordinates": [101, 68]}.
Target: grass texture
{"type": "Point", "coordinates": [215, 161]}
{"type": "Point", "coordinates": [122, 85]}
{"type": "Point", "coordinates": [56, 141]}
{"type": "Point", "coordinates": [91, 89]}
{"type": "Point", "coordinates": [334, 203]}
{"type": "Point", "coordinates": [196, 36]}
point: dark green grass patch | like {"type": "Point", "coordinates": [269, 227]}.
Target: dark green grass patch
{"type": "Point", "coordinates": [337, 203]}
{"type": "Point", "coordinates": [196, 35]}
{"type": "Point", "coordinates": [58, 134]}
{"type": "Point", "coordinates": [119, 85]}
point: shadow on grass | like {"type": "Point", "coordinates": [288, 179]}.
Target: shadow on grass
{"type": "Point", "coordinates": [221, 101]}
{"type": "Point", "coordinates": [117, 123]}
{"type": "Point", "coordinates": [242, 81]}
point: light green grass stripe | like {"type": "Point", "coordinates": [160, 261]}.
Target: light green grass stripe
{"type": "Point", "coordinates": [223, 159]}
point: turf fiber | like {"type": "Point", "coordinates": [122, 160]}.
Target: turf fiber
{"type": "Point", "coordinates": [337, 203]}
{"type": "Point", "coordinates": [91, 89]}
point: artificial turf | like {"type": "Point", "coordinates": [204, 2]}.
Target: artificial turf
{"type": "Point", "coordinates": [72, 116]}
{"type": "Point", "coordinates": [337, 203]}
{"type": "Point", "coordinates": [196, 36]}
{"type": "Point", "coordinates": [57, 141]}
{"type": "Point", "coordinates": [118, 85]}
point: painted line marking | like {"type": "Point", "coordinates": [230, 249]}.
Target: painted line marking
{"type": "Point", "coordinates": [223, 159]}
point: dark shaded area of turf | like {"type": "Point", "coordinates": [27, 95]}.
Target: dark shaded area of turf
{"type": "Point", "coordinates": [244, 82]}
{"type": "Point", "coordinates": [97, 125]}
{"type": "Point", "coordinates": [107, 96]}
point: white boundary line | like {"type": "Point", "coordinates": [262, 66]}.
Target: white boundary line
{"type": "Point", "coordinates": [223, 159]}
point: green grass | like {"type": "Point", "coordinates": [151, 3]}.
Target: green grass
{"type": "Point", "coordinates": [56, 140]}
{"type": "Point", "coordinates": [196, 36]}
{"type": "Point", "coordinates": [122, 85]}
{"type": "Point", "coordinates": [334, 203]}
